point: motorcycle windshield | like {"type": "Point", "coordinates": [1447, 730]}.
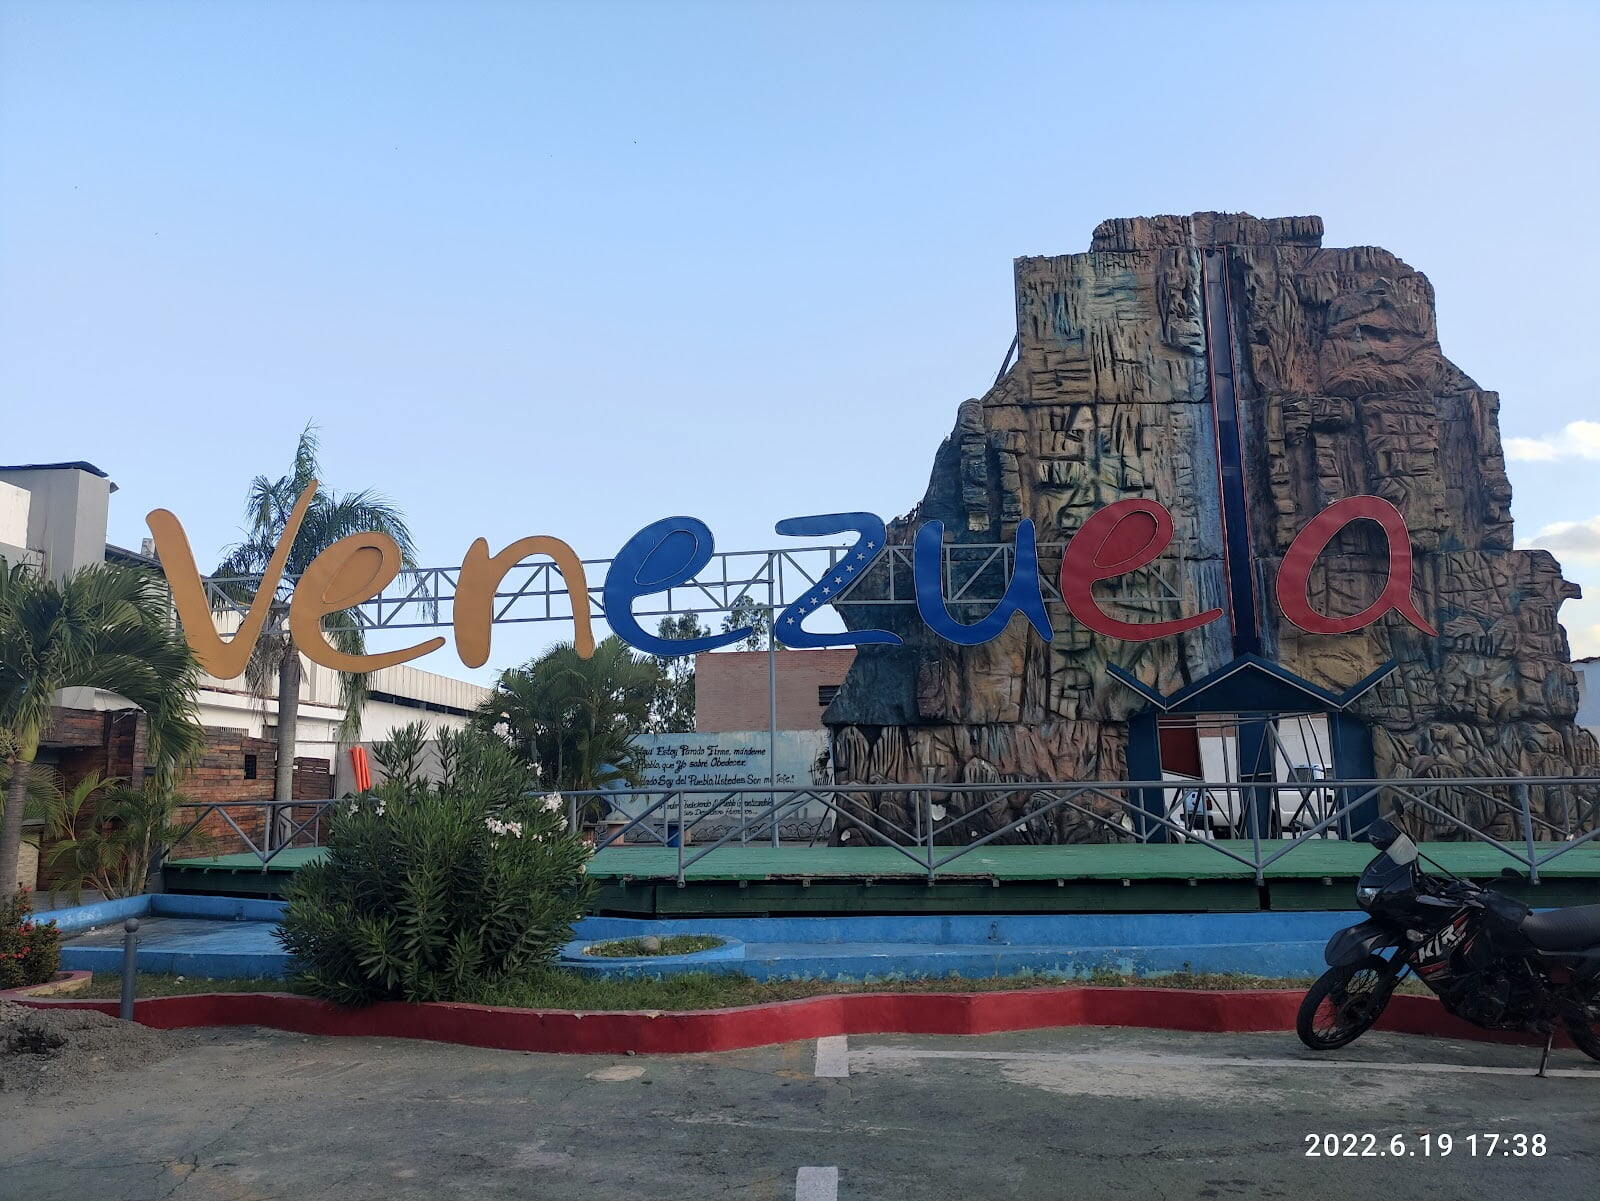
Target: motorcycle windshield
{"type": "Point", "coordinates": [1391, 867]}
{"type": "Point", "coordinates": [1402, 851]}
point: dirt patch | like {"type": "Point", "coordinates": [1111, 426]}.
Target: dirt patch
{"type": "Point", "coordinates": [42, 1048]}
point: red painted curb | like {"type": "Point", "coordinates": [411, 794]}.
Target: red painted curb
{"type": "Point", "coordinates": [780, 1022]}
{"type": "Point", "coordinates": [52, 986]}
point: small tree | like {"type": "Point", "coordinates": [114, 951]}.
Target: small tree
{"type": "Point", "coordinates": [747, 613]}
{"type": "Point", "coordinates": [574, 719]}
{"type": "Point", "coordinates": [101, 627]}
{"type": "Point", "coordinates": [437, 891]}
{"type": "Point", "coordinates": [274, 669]}
{"type": "Point", "coordinates": [672, 707]}
{"type": "Point", "coordinates": [105, 835]}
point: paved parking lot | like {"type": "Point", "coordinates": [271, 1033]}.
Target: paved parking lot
{"type": "Point", "coordinates": [1092, 1113]}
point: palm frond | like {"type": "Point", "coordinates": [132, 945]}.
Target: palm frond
{"type": "Point", "coordinates": [306, 452]}
{"type": "Point", "coordinates": [347, 635]}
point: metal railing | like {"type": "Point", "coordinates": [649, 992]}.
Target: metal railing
{"type": "Point", "coordinates": [935, 826]}
{"type": "Point", "coordinates": [274, 840]}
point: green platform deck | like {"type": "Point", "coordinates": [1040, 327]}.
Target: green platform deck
{"type": "Point", "coordinates": [1188, 877]}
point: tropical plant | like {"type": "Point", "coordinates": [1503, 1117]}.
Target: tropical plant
{"type": "Point", "coordinates": [103, 626]}
{"type": "Point", "coordinates": [672, 706]}
{"type": "Point", "coordinates": [30, 951]}
{"type": "Point", "coordinates": [274, 669]}
{"type": "Point", "coordinates": [437, 891]}
{"type": "Point", "coordinates": [105, 835]}
{"type": "Point", "coordinates": [576, 719]}
{"type": "Point", "coordinates": [748, 613]}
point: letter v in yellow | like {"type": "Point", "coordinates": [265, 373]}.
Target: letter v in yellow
{"type": "Point", "coordinates": [224, 660]}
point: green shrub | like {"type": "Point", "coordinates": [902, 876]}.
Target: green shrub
{"type": "Point", "coordinates": [436, 891]}
{"type": "Point", "coordinates": [30, 952]}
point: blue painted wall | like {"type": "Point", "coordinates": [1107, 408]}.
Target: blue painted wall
{"type": "Point", "coordinates": [1273, 945]}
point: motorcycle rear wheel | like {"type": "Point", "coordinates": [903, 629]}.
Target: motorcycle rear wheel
{"type": "Point", "coordinates": [1344, 1003]}
{"type": "Point", "coordinates": [1585, 1038]}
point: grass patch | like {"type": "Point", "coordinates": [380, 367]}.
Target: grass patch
{"type": "Point", "coordinates": [673, 944]}
{"type": "Point", "coordinates": [706, 990]}
{"type": "Point", "coordinates": [153, 984]}
{"type": "Point", "coordinates": [555, 989]}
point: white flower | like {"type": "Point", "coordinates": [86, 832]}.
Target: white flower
{"type": "Point", "coordinates": [500, 828]}
{"type": "Point", "coordinates": [379, 810]}
{"type": "Point", "coordinates": [554, 803]}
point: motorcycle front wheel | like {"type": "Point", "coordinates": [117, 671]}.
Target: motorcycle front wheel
{"type": "Point", "coordinates": [1585, 1038]}
{"type": "Point", "coordinates": [1344, 1003]}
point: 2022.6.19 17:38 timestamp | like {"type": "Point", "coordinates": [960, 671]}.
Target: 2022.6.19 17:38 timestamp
{"type": "Point", "coordinates": [1473, 1145]}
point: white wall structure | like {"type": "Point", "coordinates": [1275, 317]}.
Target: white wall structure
{"type": "Point", "coordinates": [65, 515]}
{"type": "Point", "coordinates": [14, 505]}
{"type": "Point", "coordinates": [397, 697]}
{"type": "Point", "coordinates": [1588, 672]}
{"type": "Point", "coordinates": [732, 759]}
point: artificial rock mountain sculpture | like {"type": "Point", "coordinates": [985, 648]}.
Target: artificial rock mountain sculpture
{"type": "Point", "coordinates": [1338, 388]}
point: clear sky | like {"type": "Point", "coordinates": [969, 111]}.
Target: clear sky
{"type": "Point", "coordinates": [546, 268]}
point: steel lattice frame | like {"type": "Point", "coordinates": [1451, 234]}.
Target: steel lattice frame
{"type": "Point", "coordinates": [975, 574]}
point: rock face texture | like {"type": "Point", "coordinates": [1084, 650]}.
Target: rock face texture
{"type": "Point", "coordinates": [1341, 389]}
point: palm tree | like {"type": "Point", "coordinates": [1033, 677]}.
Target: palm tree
{"type": "Point", "coordinates": [576, 719]}
{"type": "Point", "coordinates": [274, 669]}
{"type": "Point", "coordinates": [102, 627]}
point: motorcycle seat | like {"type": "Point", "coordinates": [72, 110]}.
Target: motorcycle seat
{"type": "Point", "coordinates": [1573, 929]}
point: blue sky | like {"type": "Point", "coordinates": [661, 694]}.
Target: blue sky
{"type": "Point", "coordinates": [542, 268]}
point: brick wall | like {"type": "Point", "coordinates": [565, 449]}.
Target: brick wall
{"type": "Point", "coordinates": [220, 776]}
{"type": "Point", "coordinates": [115, 745]}
{"type": "Point", "coordinates": [730, 688]}
{"type": "Point", "coordinates": [111, 744]}
{"type": "Point", "coordinates": [74, 728]}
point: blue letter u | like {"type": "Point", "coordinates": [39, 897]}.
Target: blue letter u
{"type": "Point", "coordinates": [1022, 592]}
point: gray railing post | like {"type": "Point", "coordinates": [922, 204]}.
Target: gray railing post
{"type": "Point", "coordinates": [680, 839]}
{"type": "Point", "coordinates": [1255, 836]}
{"type": "Point", "coordinates": [130, 957]}
{"type": "Point", "coordinates": [1527, 833]}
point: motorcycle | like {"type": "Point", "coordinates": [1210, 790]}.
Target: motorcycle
{"type": "Point", "coordinates": [1488, 957]}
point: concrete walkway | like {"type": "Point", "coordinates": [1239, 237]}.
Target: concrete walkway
{"type": "Point", "coordinates": [1098, 1113]}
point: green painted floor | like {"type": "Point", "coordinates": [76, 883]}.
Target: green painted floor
{"type": "Point", "coordinates": [1093, 861]}
{"type": "Point", "coordinates": [284, 861]}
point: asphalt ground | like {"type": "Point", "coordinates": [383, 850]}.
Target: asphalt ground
{"type": "Point", "coordinates": [1091, 1113]}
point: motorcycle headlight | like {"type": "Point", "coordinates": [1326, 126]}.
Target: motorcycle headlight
{"type": "Point", "coordinates": [1366, 894]}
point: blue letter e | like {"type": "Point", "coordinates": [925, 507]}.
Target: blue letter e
{"type": "Point", "coordinates": [663, 555]}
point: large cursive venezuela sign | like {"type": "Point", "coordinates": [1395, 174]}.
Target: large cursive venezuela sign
{"type": "Point", "coordinates": [1118, 539]}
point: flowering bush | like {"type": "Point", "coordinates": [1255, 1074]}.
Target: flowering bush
{"type": "Point", "coordinates": [434, 891]}
{"type": "Point", "coordinates": [30, 952]}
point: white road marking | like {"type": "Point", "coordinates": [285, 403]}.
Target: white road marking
{"type": "Point", "coordinates": [816, 1184]}
{"type": "Point", "coordinates": [867, 1056]}
{"type": "Point", "coordinates": [833, 1056]}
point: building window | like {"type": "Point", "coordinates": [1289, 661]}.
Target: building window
{"type": "Point", "coordinates": [826, 693]}
{"type": "Point", "coordinates": [249, 767]}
